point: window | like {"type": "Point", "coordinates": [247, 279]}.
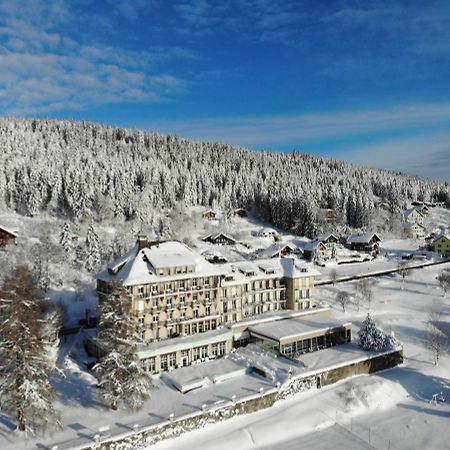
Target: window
{"type": "Point", "coordinates": [194, 282]}
{"type": "Point", "coordinates": [155, 318]}
{"type": "Point", "coordinates": [172, 359]}
{"type": "Point", "coordinates": [169, 302]}
{"type": "Point", "coordinates": [208, 310]}
{"type": "Point", "coordinates": [141, 291]}
{"type": "Point", "coordinates": [154, 288]}
{"type": "Point", "coordinates": [141, 320]}
{"type": "Point", "coordinates": [169, 315]}
{"type": "Point", "coordinates": [182, 285]}
{"type": "Point", "coordinates": [154, 303]}
{"type": "Point", "coordinates": [164, 365]}
{"type": "Point", "coordinates": [195, 313]}
{"type": "Point", "coordinates": [221, 350]}
{"type": "Point", "coordinates": [181, 300]}
{"type": "Point", "coordinates": [151, 366]}
{"type": "Point", "coordinates": [194, 328]}
{"type": "Point", "coordinates": [207, 326]}
{"type": "Point", "coordinates": [204, 351]}
{"type": "Point", "coordinates": [200, 327]}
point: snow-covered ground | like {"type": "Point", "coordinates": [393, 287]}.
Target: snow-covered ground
{"type": "Point", "coordinates": [394, 404]}
{"type": "Point", "coordinates": [390, 409]}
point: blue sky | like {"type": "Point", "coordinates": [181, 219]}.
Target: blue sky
{"type": "Point", "coordinates": [367, 82]}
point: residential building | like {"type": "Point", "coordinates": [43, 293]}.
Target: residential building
{"type": "Point", "coordinates": [279, 249]}
{"type": "Point", "coordinates": [413, 215]}
{"type": "Point", "coordinates": [240, 212]}
{"type": "Point", "coordinates": [219, 239]}
{"type": "Point", "coordinates": [364, 242]}
{"type": "Point", "coordinates": [184, 305]}
{"type": "Point", "coordinates": [6, 236]}
{"type": "Point", "coordinates": [209, 215]}
{"type": "Point", "coordinates": [413, 230]}
{"type": "Point", "coordinates": [441, 244]}
{"type": "Point", "coordinates": [316, 249]}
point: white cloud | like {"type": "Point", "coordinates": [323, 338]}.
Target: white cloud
{"type": "Point", "coordinates": [43, 69]}
{"type": "Point", "coordinates": [296, 130]}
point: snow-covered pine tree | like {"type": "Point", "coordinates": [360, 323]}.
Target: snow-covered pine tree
{"type": "Point", "coordinates": [121, 375]}
{"type": "Point", "coordinates": [65, 240]}
{"type": "Point", "coordinates": [27, 333]}
{"type": "Point", "coordinates": [93, 250]}
{"type": "Point", "coordinates": [371, 337]}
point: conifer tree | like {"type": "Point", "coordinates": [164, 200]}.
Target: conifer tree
{"type": "Point", "coordinates": [121, 375]}
{"type": "Point", "coordinates": [65, 240]}
{"type": "Point", "coordinates": [371, 337]}
{"type": "Point", "coordinates": [27, 334]}
{"type": "Point", "coordinates": [93, 250]}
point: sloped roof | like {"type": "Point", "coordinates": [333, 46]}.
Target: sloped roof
{"type": "Point", "coordinates": [278, 247]}
{"type": "Point", "coordinates": [408, 212]}
{"type": "Point", "coordinates": [311, 246]}
{"type": "Point", "coordinates": [326, 237]}
{"type": "Point", "coordinates": [362, 238]}
{"type": "Point", "coordinates": [7, 230]}
{"type": "Point", "coordinates": [444, 235]}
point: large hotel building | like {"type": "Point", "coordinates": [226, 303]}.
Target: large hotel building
{"type": "Point", "coordinates": [188, 309]}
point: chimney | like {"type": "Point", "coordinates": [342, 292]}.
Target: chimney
{"type": "Point", "coordinates": [142, 240]}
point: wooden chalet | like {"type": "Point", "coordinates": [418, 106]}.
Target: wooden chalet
{"type": "Point", "coordinates": [330, 240]}
{"type": "Point", "coordinates": [6, 236]}
{"type": "Point", "coordinates": [209, 215]}
{"type": "Point", "coordinates": [240, 212]}
{"type": "Point", "coordinates": [365, 242]}
{"type": "Point", "coordinates": [316, 248]}
{"type": "Point", "coordinates": [279, 250]}
{"type": "Point", "coordinates": [219, 239]}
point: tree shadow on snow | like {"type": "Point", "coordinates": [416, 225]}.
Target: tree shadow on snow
{"type": "Point", "coordinates": [421, 409]}
{"type": "Point", "coordinates": [419, 386]}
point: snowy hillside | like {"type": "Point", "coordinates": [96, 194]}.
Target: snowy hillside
{"type": "Point", "coordinates": [82, 170]}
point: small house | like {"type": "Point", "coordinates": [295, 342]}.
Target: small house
{"type": "Point", "coordinates": [413, 215]}
{"type": "Point", "coordinates": [6, 236]}
{"type": "Point", "coordinates": [240, 212]}
{"type": "Point", "coordinates": [316, 249]}
{"type": "Point", "coordinates": [441, 244]}
{"type": "Point", "coordinates": [364, 242]}
{"type": "Point", "coordinates": [413, 230]}
{"type": "Point", "coordinates": [219, 239]}
{"type": "Point", "coordinates": [267, 232]}
{"type": "Point", "coordinates": [328, 215]}
{"type": "Point", "coordinates": [330, 240]}
{"type": "Point", "coordinates": [209, 215]}
{"type": "Point", "coordinates": [279, 250]}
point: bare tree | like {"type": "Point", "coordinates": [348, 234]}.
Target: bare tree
{"type": "Point", "coordinates": [444, 282]}
{"type": "Point", "coordinates": [404, 271]}
{"type": "Point", "coordinates": [343, 298]}
{"type": "Point", "coordinates": [333, 276]}
{"type": "Point", "coordinates": [363, 292]}
{"type": "Point", "coordinates": [436, 335]}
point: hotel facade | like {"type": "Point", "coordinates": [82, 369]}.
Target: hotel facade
{"type": "Point", "coordinates": [188, 309]}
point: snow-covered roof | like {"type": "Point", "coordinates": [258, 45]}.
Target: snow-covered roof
{"type": "Point", "coordinates": [213, 237]}
{"type": "Point", "coordinates": [12, 233]}
{"type": "Point", "coordinates": [184, 342]}
{"type": "Point", "coordinates": [141, 266]}
{"type": "Point", "coordinates": [410, 211]}
{"type": "Point", "coordinates": [311, 246]}
{"type": "Point", "coordinates": [262, 269]}
{"type": "Point", "coordinates": [362, 238]}
{"type": "Point", "coordinates": [296, 327]}
{"type": "Point", "coordinates": [326, 237]}
{"type": "Point", "coordinates": [278, 247]}
{"type": "Point", "coordinates": [439, 236]}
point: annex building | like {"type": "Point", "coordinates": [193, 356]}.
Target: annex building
{"type": "Point", "coordinates": [188, 309]}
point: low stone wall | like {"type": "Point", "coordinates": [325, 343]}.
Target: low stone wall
{"type": "Point", "coordinates": [257, 402]}
{"type": "Point", "coordinates": [375, 364]}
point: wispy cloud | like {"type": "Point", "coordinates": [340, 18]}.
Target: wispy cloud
{"type": "Point", "coordinates": [43, 69]}
{"type": "Point", "coordinates": [425, 156]}
{"type": "Point", "coordinates": [279, 130]}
